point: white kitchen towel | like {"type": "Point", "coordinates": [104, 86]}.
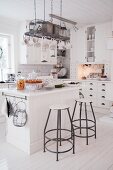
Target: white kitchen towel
{"type": "Point", "coordinates": [4, 107]}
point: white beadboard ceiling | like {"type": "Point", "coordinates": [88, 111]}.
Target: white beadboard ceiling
{"type": "Point", "coordinates": [82, 11]}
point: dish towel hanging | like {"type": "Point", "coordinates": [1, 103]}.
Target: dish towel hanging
{"type": "Point", "coordinates": [7, 108]}
{"type": "Point", "coordinates": [4, 107]}
{"type": "Point", "coordinates": [10, 110]}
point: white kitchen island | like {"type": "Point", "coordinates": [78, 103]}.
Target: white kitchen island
{"type": "Point", "coordinates": [30, 137]}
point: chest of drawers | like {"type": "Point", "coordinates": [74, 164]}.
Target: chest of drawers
{"type": "Point", "coordinates": [96, 92]}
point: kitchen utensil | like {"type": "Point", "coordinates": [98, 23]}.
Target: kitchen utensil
{"type": "Point", "coordinates": [59, 85]}
{"type": "Point", "coordinates": [62, 72]}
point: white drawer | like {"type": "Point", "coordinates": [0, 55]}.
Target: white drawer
{"type": "Point", "coordinates": [91, 84]}
{"type": "Point", "coordinates": [101, 93]}
{"type": "Point", "coordinates": [94, 101]}
{"type": "Point", "coordinates": [103, 103]}
{"type": "Point", "coordinates": [102, 90]}
{"type": "Point", "coordinates": [92, 89]}
{"type": "Point", "coordinates": [90, 94]}
{"type": "Point", "coordinates": [102, 96]}
{"type": "Point", "coordinates": [102, 85]}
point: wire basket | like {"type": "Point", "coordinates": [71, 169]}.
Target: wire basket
{"type": "Point", "coordinates": [20, 118]}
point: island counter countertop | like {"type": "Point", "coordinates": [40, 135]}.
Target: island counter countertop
{"type": "Point", "coordinates": [32, 93]}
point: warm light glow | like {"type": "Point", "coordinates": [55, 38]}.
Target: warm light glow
{"type": "Point", "coordinates": [88, 70]}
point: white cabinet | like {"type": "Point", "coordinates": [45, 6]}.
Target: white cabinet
{"type": "Point", "coordinates": [89, 90]}
{"type": "Point", "coordinates": [39, 55]}
{"type": "Point", "coordinates": [33, 55]}
{"type": "Point", "coordinates": [96, 92]}
{"type": "Point", "coordinates": [90, 44]}
{"type": "Point", "coordinates": [80, 49]}
{"type": "Point", "coordinates": [92, 41]}
{"type": "Point", "coordinates": [101, 34]}
{"type": "Point", "coordinates": [109, 88]}
{"type": "Point", "coordinates": [101, 95]}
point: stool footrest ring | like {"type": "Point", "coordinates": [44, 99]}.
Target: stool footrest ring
{"type": "Point", "coordinates": [84, 127]}
{"type": "Point", "coordinates": [84, 136]}
{"type": "Point", "coordinates": [54, 139]}
{"type": "Point", "coordinates": [59, 151]}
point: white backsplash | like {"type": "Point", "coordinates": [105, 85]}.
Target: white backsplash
{"type": "Point", "coordinates": [42, 70]}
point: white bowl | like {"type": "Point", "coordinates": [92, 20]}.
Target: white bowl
{"type": "Point", "coordinates": [34, 86]}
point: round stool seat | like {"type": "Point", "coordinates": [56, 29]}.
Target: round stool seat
{"type": "Point", "coordinates": [59, 107]}
{"type": "Point", "coordinates": [83, 100]}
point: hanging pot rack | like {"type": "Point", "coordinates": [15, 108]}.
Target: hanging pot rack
{"type": "Point", "coordinates": [41, 28]}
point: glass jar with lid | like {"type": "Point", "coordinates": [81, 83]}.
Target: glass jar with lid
{"type": "Point", "coordinates": [20, 82]}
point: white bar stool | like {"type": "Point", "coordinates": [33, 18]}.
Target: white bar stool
{"type": "Point", "coordinates": [59, 139]}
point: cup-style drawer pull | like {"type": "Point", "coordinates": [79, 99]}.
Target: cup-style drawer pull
{"type": "Point", "coordinates": [103, 84]}
{"type": "Point", "coordinates": [90, 95]}
{"type": "Point", "coordinates": [103, 104]}
{"type": "Point", "coordinates": [91, 83]}
{"type": "Point", "coordinates": [90, 89]}
{"type": "Point", "coordinates": [103, 89]}
{"type": "Point", "coordinates": [103, 96]}
{"type": "Point", "coordinates": [80, 89]}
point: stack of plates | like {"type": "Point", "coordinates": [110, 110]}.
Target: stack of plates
{"type": "Point", "coordinates": [49, 87]}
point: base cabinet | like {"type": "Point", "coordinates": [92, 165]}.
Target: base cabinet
{"type": "Point", "coordinates": [97, 93]}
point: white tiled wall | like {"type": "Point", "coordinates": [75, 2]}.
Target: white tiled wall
{"type": "Point", "coordinates": [42, 70]}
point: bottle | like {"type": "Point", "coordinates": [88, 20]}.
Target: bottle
{"type": "Point", "coordinates": [54, 73]}
{"type": "Point", "coordinates": [20, 83]}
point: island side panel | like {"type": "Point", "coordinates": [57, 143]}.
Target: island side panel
{"type": "Point", "coordinates": [19, 136]}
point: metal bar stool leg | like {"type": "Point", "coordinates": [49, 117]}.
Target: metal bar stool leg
{"type": "Point", "coordinates": [57, 134]}
{"type": "Point", "coordinates": [46, 127]}
{"type": "Point", "coordinates": [80, 115]}
{"type": "Point", "coordinates": [72, 131]}
{"type": "Point", "coordinates": [73, 116]}
{"type": "Point", "coordinates": [74, 110]}
{"type": "Point", "coordinates": [94, 118]}
{"type": "Point", "coordinates": [60, 124]}
{"type": "Point", "coordinates": [86, 125]}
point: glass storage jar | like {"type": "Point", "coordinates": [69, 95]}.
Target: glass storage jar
{"type": "Point", "coordinates": [20, 83]}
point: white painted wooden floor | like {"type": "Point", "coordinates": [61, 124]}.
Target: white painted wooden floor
{"type": "Point", "coordinates": [98, 155]}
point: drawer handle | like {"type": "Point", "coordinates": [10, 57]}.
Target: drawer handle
{"type": "Point", "coordinates": [90, 95]}
{"type": "Point", "coordinates": [80, 89]}
{"type": "Point", "coordinates": [103, 84]}
{"type": "Point", "coordinates": [90, 89]}
{"type": "Point", "coordinates": [91, 83]}
{"type": "Point", "coordinates": [103, 89]}
{"type": "Point", "coordinates": [103, 96]}
{"type": "Point", "coordinates": [102, 103]}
